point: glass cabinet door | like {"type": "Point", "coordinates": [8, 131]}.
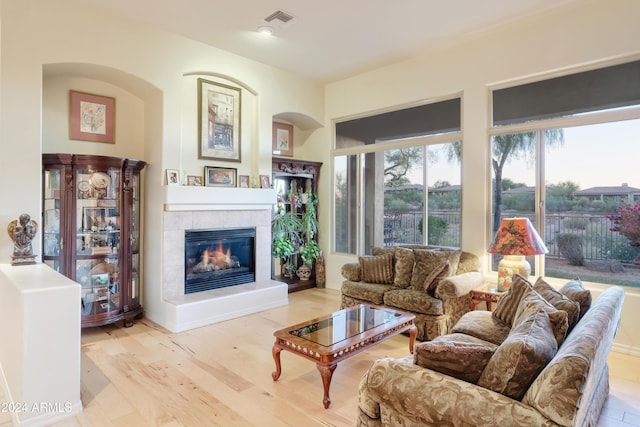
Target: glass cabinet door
{"type": "Point", "coordinates": [97, 245]}
{"type": "Point", "coordinates": [52, 239]}
{"type": "Point", "coordinates": [135, 240]}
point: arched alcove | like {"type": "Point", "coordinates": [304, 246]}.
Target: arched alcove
{"type": "Point", "coordinates": [137, 119]}
{"type": "Point", "coordinates": [300, 120]}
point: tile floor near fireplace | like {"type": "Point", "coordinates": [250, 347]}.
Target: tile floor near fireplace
{"type": "Point", "coordinates": [184, 210]}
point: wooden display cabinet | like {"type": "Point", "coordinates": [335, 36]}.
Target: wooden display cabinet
{"type": "Point", "coordinates": [91, 231]}
{"type": "Point", "coordinates": [300, 175]}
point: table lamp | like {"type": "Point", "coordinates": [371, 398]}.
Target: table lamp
{"type": "Point", "coordinates": [515, 239]}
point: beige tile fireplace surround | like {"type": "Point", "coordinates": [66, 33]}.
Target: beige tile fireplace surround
{"type": "Point", "coordinates": [192, 208]}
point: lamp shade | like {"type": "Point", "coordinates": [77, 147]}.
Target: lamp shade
{"type": "Point", "coordinates": [516, 236]}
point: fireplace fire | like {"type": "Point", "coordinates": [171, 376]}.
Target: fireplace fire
{"type": "Point", "coordinates": [216, 258]}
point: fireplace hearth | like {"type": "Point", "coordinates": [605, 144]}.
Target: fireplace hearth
{"type": "Point", "coordinates": [218, 258]}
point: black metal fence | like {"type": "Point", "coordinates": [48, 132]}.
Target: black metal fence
{"type": "Point", "coordinates": [598, 241]}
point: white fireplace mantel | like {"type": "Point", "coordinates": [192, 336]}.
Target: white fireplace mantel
{"type": "Point", "coordinates": [192, 198]}
{"type": "Point", "coordinates": [186, 208]}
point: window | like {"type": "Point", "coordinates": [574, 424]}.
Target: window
{"type": "Point", "coordinates": [397, 179]}
{"type": "Point", "coordinates": [568, 168]}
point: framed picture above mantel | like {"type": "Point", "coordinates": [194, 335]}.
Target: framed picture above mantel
{"type": "Point", "coordinates": [219, 109]}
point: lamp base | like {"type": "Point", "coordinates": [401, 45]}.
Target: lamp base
{"type": "Point", "coordinates": [510, 265]}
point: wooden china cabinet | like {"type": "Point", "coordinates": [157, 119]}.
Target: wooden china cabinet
{"type": "Point", "coordinates": [91, 231]}
{"type": "Point", "coordinates": [297, 177]}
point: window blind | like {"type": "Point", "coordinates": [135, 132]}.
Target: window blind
{"type": "Point", "coordinates": [602, 89]}
{"type": "Point", "coordinates": [438, 117]}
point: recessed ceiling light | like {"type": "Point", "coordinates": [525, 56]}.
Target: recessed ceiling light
{"type": "Point", "coordinates": [267, 31]}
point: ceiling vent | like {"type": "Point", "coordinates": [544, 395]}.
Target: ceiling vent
{"type": "Point", "coordinates": [280, 18]}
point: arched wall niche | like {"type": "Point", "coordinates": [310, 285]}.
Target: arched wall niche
{"type": "Point", "coordinates": [304, 138]}
{"type": "Point", "coordinates": [133, 84]}
{"type": "Point", "coordinates": [137, 116]}
{"type": "Point", "coordinates": [300, 120]}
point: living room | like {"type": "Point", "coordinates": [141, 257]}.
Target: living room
{"type": "Point", "coordinates": [48, 49]}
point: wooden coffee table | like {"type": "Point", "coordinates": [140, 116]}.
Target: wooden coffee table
{"type": "Point", "coordinates": [330, 339]}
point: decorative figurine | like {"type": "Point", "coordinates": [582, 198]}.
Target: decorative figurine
{"type": "Point", "coordinates": [22, 231]}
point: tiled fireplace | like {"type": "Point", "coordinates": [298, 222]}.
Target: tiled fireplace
{"type": "Point", "coordinates": [205, 208]}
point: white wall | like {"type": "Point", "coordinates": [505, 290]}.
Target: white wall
{"type": "Point", "coordinates": [153, 76]}
{"type": "Point", "coordinates": [585, 32]}
{"type": "Point", "coordinates": [129, 132]}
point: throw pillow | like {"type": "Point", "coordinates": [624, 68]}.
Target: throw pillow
{"type": "Point", "coordinates": [575, 291]}
{"type": "Point", "coordinates": [521, 357]}
{"type": "Point", "coordinates": [558, 300]}
{"type": "Point", "coordinates": [403, 267]}
{"type": "Point", "coordinates": [427, 260]}
{"type": "Point", "coordinates": [520, 290]}
{"type": "Point", "coordinates": [402, 263]}
{"type": "Point", "coordinates": [460, 359]}
{"type": "Point", "coordinates": [377, 268]}
{"type": "Point", "coordinates": [439, 273]}
{"type": "Point", "coordinates": [508, 303]}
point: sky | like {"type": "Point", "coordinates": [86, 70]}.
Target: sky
{"type": "Point", "coordinates": [592, 156]}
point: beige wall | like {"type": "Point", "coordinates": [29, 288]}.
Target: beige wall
{"type": "Point", "coordinates": [48, 48]}
{"type": "Point", "coordinates": [585, 32]}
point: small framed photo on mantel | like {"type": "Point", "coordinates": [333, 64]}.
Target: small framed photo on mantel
{"type": "Point", "coordinates": [219, 177]}
{"type": "Point", "coordinates": [282, 139]}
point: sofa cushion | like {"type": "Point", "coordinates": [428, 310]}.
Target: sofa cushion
{"type": "Point", "coordinates": [413, 300]}
{"type": "Point", "coordinates": [558, 300]}
{"type": "Point", "coordinates": [520, 288]}
{"type": "Point", "coordinates": [371, 292]}
{"type": "Point", "coordinates": [575, 291]}
{"type": "Point", "coordinates": [439, 273]}
{"type": "Point", "coordinates": [456, 355]}
{"type": "Point", "coordinates": [377, 268]}
{"type": "Point", "coordinates": [482, 325]}
{"type": "Point", "coordinates": [522, 356]}
{"type": "Point", "coordinates": [427, 260]}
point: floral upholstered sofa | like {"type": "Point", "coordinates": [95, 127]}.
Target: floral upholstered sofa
{"type": "Point", "coordinates": [535, 361]}
{"type": "Point", "coordinates": [433, 283]}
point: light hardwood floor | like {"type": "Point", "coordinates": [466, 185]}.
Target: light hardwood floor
{"type": "Point", "coordinates": [220, 375]}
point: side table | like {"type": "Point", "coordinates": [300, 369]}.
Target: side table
{"type": "Point", "coordinates": [487, 292]}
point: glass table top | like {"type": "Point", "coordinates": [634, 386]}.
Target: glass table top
{"type": "Point", "coordinates": [345, 324]}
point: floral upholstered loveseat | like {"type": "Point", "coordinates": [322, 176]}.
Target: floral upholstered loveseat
{"type": "Point", "coordinates": [433, 283]}
{"type": "Point", "coordinates": [504, 369]}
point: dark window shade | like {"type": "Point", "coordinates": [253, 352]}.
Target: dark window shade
{"type": "Point", "coordinates": [601, 89]}
{"type": "Point", "coordinates": [439, 117]}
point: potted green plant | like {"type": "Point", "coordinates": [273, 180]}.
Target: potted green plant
{"type": "Point", "coordinates": [309, 219]}
{"type": "Point", "coordinates": [309, 252]}
{"type": "Point", "coordinates": [286, 228]}
{"type": "Point", "coordinates": [287, 225]}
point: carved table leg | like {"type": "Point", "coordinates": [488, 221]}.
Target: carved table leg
{"type": "Point", "coordinates": [326, 372]}
{"type": "Point", "coordinates": [276, 356]}
{"type": "Point", "coordinates": [412, 337]}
